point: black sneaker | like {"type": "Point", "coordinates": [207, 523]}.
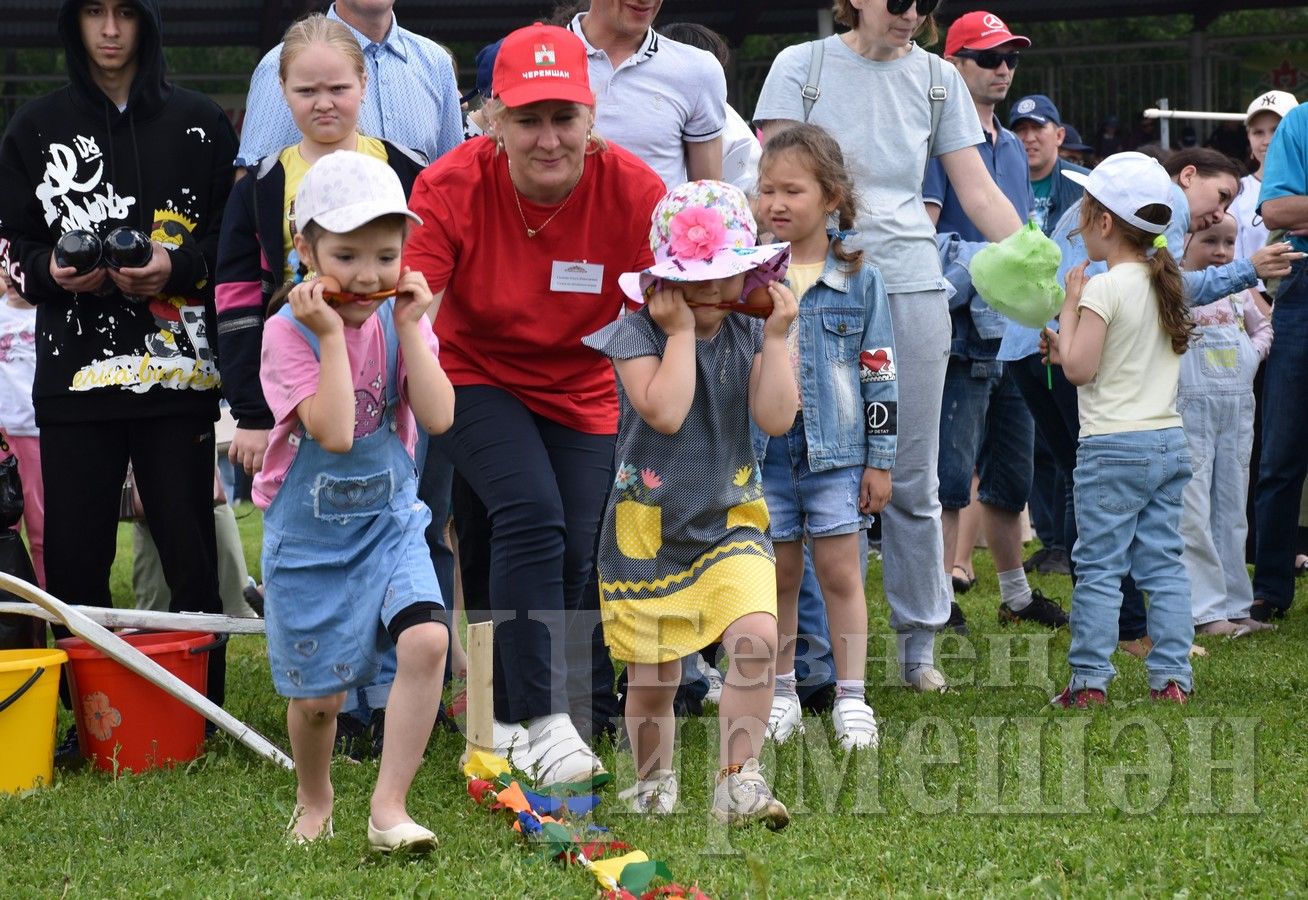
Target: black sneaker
{"type": "Point", "coordinates": [1056, 562]}
{"type": "Point", "coordinates": [956, 622]}
{"type": "Point", "coordinates": [68, 755]}
{"type": "Point", "coordinates": [353, 737]}
{"type": "Point", "coordinates": [1041, 610]}
{"type": "Point", "coordinates": [1263, 611]}
{"type": "Point", "coordinates": [1035, 559]}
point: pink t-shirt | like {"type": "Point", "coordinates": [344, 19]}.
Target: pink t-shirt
{"type": "Point", "coordinates": [288, 370]}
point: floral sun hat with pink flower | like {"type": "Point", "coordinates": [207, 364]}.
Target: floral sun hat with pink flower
{"type": "Point", "coordinates": [704, 230]}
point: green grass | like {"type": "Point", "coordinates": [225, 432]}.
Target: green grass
{"type": "Point", "coordinates": [982, 791]}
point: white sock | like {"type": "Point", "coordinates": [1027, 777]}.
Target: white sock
{"type": "Point", "coordinates": [1014, 589]}
{"type": "Point", "coordinates": [786, 685]}
{"type": "Point", "coordinates": [852, 688]}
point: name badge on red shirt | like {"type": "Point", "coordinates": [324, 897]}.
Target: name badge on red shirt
{"type": "Point", "coordinates": [577, 277]}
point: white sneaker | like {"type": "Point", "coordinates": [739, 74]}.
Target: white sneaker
{"type": "Point", "coordinates": [510, 740]}
{"type": "Point", "coordinates": [656, 794]}
{"type": "Point", "coordinates": [856, 725]}
{"type": "Point", "coordinates": [926, 680]}
{"type": "Point", "coordinates": [743, 797]}
{"type": "Point", "coordinates": [558, 755]}
{"type": "Point", "coordinates": [785, 719]}
{"type": "Point", "coordinates": [715, 682]}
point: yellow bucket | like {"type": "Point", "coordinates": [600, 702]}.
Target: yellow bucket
{"type": "Point", "coordinates": [29, 694]}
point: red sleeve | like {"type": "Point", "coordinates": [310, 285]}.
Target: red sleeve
{"type": "Point", "coordinates": [431, 248]}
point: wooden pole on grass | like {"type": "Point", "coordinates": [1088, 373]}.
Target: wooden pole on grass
{"type": "Point", "coordinates": [480, 729]}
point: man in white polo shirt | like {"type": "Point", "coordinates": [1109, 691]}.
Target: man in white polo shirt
{"type": "Point", "coordinates": [662, 100]}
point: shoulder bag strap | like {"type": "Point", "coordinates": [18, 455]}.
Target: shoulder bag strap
{"type": "Point", "coordinates": [810, 92]}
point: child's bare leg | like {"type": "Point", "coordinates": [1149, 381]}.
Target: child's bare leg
{"type": "Point", "coordinates": [790, 574]}
{"type": "Point", "coordinates": [311, 723]}
{"type": "Point", "coordinates": [651, 727]}
{"type": "Point", "coordinates": [410, 715]}
{"type": "Point", "coordinates": [751, 646]}
{"type": "Point", "coordinates": [836, 560]}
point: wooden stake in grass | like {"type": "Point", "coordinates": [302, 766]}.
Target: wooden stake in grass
{"type": "Point", "coordinates": [480, 730]}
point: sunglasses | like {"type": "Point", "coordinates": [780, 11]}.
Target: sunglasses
{"type": "Point", "coordinates": [899, 7]}
{"type": "Point", "coordinates": [123, 248]}
{"type": "Point", "coordinates": [990, 59]}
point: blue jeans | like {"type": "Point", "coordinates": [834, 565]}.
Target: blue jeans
{"type": "Point", "coordinates": [1128, 489]}
{"type": "Point", "coordinates": [984, 426]}
{"type": "Point", "coordinates": [1054, 409]}
{"type": "Point", "coordinates": [1047, 501]}
{"type": "Point", "coordinates": [1284, 460]}
{"type": "Point", "coordinates": [814, 667]}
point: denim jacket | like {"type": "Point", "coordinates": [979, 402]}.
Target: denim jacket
{"type": "Point", "coordinates": [848, 381]}
{"type": "Point", "coordinates": [975, 328]}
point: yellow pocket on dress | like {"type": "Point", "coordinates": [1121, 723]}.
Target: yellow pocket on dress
{"type": "Point", "coordinates": [753, 514]}
{"type": "Point", "coordinates": [640, 529]}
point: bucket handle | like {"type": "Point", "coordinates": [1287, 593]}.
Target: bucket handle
{"type": "Point", "coordinates": [22, 689]}
{"type": "Point", "coordinates": [220, 641]}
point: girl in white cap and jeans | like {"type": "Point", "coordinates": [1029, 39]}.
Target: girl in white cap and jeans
{"type": "Point", "coordinates": [1120, 340]}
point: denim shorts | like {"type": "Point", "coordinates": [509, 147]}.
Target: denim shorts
{"type": "Point", "coordinates": [821, 504]}
{"type": "Point", "coordinates": [986, 427]}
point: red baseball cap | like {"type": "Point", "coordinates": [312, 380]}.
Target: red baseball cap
{"type": "Point", "coordinates": [979, 30]}
{"type": "Point", "coordinates": [541, 62]}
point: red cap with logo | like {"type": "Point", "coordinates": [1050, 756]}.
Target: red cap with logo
{"type": "Point", "coordinates": [979, 30]}
{"type": "Point", "coordinates": [541, 62]}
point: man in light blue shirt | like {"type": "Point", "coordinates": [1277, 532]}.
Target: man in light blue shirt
{"type": "Point", "coordinates": [1283, 203]}
{"type": "Point", "coordinates": [411, 98]}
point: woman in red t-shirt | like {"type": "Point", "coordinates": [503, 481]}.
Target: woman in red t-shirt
{"type": "Point", "coordinates": [525, 235]}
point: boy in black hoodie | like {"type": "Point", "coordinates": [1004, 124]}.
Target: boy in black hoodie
{"type": "Point", "coordinates": [125, 368]}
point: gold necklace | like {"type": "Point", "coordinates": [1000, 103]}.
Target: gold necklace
{"type": "Point", "coordinates": [532, 232]}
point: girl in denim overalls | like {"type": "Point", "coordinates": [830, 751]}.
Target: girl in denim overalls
{"type": "Point", "coordinates": [345, 370]}
{"type": "Point", "coordinates": [831, 471]}
{"type": "Point", "coordinates": [1120, 340]}
{"type": "Point", "coordinates": [1216, 401]}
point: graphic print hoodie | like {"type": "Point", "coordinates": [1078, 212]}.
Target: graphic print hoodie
{"type": "Point", "coordinates": [72, 160]}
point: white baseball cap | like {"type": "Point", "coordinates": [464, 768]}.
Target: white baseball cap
{"type": "Point", "coordinates": [1126, 183]}
{"type": "Point", "coordinates": [346, 190]}
{"type": "Point", "coordinates": [1279, 102]}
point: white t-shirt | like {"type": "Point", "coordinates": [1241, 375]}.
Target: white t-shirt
{"type": "Point", "coordinates": [1250, 232]}
{"type": "Point", "coordinates": [1134, 388]}
{"type": "Point", "coordinates": [17, 369]}
{"type": "Point", "coordinates": [663, 96]}
{"type": "Point", "coordinates": [880, 114]}
{"type": "Point", "coordinates": [741, 152]}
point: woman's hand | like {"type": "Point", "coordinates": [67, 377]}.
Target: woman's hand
{"type": "Point", "coordinates": [412, 298]}
{"type": "Point", "coordinates": [1275, 260]}
{"type": "Point", "coordinates": [310, 307]}
{"type": "Point", "coordinates": [784, 310]}
{"type": "Point", "coordinates": [874, 491]}
{"type": "Point", "coordinates": [669, 309]}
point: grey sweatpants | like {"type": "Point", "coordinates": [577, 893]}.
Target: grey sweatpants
{"type": "Point", "coordinates": [911, 542]}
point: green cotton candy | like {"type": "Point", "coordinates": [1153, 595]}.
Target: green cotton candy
{"type": "Point", "coordinates": [1018, 277]}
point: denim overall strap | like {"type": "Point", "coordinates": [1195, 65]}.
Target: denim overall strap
{"type": "Point", "coordinates": [386, 313]}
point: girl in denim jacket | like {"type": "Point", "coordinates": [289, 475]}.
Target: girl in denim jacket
{"type": "Point", "coordinates": [825, 477]}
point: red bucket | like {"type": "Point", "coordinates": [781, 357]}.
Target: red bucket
{"type": "Point", "coordinates": [126, 722]}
